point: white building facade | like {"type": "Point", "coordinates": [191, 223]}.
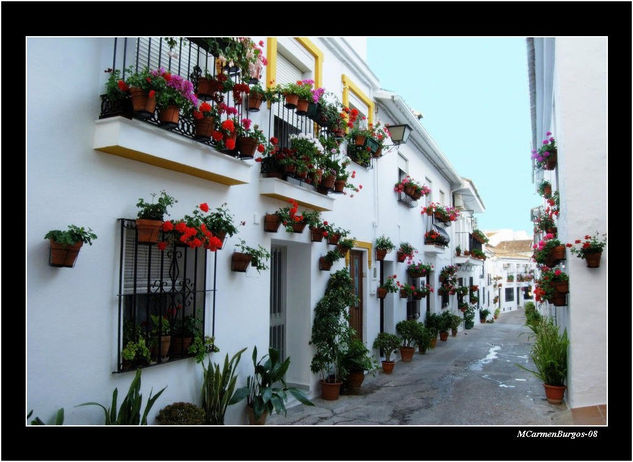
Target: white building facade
{"type": "Point", "coordinates": [91, 171]}
{"type": "Point", "coordinates": [568, 81]}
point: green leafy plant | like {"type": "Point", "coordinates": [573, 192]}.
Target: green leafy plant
{"type": "Point", "coordinates": [358, 357]}
{"type": "Point", "coordinates": [332, 256]}
{"type": "Point", "coordinates": [388, 343]}
{"type": "Point", "coordinates": [259, 256]}
{"type": "Point", "coordinates": [456, 320]}
{"type": "Point", "coordinates": [72, 235]}
{"type": "Point", "coordinates": [130, 411]}
{"type": "Point", "coordinates": [301, 88]}
{"type": "Point", "coordinates": [200, 347]}
{"type": "Point", "coordinates": [390, 284]}
{"type": "Point", "coordinates": [218, 388]}
{"type": "Point", "coordinates": [265, 391]}
{"type": "Point", "coordinates": [484, 313]}
{"type": "Point", "coordinates": [58, 419]}
{"type": "Point", "coordinates": [384, 243]}
{"type": "Point", "coordinates": [549, 352]}
{"type": "Point", "coordinates": [432, 322]}
{"type": "Point", "coordinates": [136, 351]}
{"type": "Point", "coordinates": [422, 336]}
{"type": "Point", "coordinates": [445, 320]}
{"type": "Point", "coordinates": [478, 234]}
{"type": "Point", "coordinates": [532, 316]}
{"type": "Point", "coordinates": [407, 330]}
{"type": "Point", "coordinates": [180, 413]}
{"type": "Point", "coordinates": [346, 243]}
{"type": "Point", "coordinates": [155, 210]}
{"type": "Point", "coordinates": [541, 188]}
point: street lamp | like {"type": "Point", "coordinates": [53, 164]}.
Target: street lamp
{"type": "Point", "coordinates": [399, 133]}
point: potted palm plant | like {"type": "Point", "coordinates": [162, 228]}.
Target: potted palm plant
{"type": "Point", "coordinates": [388, 343]}
{"type": "Point", "coordinates": [150, 217]}
{"type": "Point", "coordinates": [407, 331]}
{"type": "Point", "coordinates": [549, 355]}
{"type": "Point", "coordinates": [65, 245]}
{"type": "Point", "coordinates": [266, 389]}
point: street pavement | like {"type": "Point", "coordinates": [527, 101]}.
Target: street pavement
{"type": "Point", "coordinates": [470, 379]}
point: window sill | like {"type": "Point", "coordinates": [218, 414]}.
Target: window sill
{"type": "Point", "coordinates": [142, 142]}
{"type": "Point", "coordinates": [430, 248]}
{"type": "Point", "coordinates": [285, 191]}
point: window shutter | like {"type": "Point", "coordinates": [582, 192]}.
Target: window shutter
{"type": "Point", "coordinates": [286, 71]}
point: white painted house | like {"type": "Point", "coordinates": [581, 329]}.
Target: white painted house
{"type": "Point", "coordinates": [91, 171]}
{"type": "Point", "coordinates": [568, 92]}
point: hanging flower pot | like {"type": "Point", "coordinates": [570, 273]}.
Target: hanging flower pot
{"type": "Point", "coordinates": [324, 265]}
{"type": "Point", "coordinates": [254, 101]}
{"type": "Point", "coordinates": [333, 238]}
{"type": "Point", "coordinates": [382, 292]}
{"type": "Point", "coordinates": [298, 227]}
{"type": "Point", "coordinates": [291, 101]}
{"type": "Point", "coordinates": [547, 191]}
{"type": "Point", "coordinates": [554, 394]}
{"type": "Point", "coordinates": [169, 116]}
{"type": "Point", "coordinates": [246, 146]}
{"type": "Point", "coordinates": [380, 254]}
{"type": "Point", "coordinates": [271, 222]}
{"type": "Point", "coordinates": [557, 254]}
{"type": "Point", "coordinates": [593, 259]}
{"type": "Point", "coordinates": [551, 162]}
{"type": "Point", "coordinates": [339, 186]}
{"type": "Point", "coordinates": [302, 106]}
{"type": "Point", "coordinates": [409, 189]}
{"type": "Point", "coordinates": [240, 261]}
{"type": "Point", "coordinates": [142, 104]}
{"type": "Point", "coordinates": [401, 256]}
{"type": "Point", "coordinates": [148, 231]}
{"type": "Point", "coordinates": [205, 89]}
{"type": "Point", "coordinates": [416, 194]}
{"type": "Point", "coordinates": [204, 127]}
{"type": "Point", "coordinates": [327, 181]}
{"type": "Point", "coordinates": [342, 250]}
{"type": "Point", "coordinates": [403, 293]}
{"type": "Point", "coordinates": [316, 234]}
{"type": "Point", "coordinates": [561, 287]}
{"type": "Point", "coordinates": [62, 255]}
{"type": "Point", "coordinates": [559, 299]}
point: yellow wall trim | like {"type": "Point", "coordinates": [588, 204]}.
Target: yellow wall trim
{"type": "Point", "coordinates": [349, 85]}
{"type": "Point", "coordinates": [318, 59]}
{"type": "Point", "coordinates": [362, 245]}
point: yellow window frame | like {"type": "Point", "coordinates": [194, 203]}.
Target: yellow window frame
{"type": "Point", "coordinates": [349, 85]}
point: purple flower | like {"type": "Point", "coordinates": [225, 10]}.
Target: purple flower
{"type": "Point", "coordinates": [545, 141]}
{"type": "Point", "coordinates": [546, 154]}
{"type": "Point", "coordinates": [548, 133]}
{"type": "Point", "coordinates": [552, 139]}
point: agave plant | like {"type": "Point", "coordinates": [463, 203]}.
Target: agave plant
{"type": "Point", "coordinates": [260, 391]}
{"type": "Point", "coordinates": [130, 411]}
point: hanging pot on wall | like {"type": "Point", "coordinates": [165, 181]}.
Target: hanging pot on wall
{"type": "Point", "coordinates": [240, 261]}
{"type": "Point", "coordinates": [593, 259]}
{"type": "Point", "coordinates": [62, 255]}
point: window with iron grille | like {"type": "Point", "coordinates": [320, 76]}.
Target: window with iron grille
{"type": "Point", "coordinates": [510, 294]}
{"type": "Point", "coordinates": [413, 305]}
{"type": "Point", "coordinates": [161, 299]}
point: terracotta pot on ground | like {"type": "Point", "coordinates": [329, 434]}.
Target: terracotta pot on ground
{"type": "Point", "coordinates": [316, 234]}
{"type": "Point", "coordinates": [324, 265]}
{"type": "Point", "coordinates": [382, 292]}
{"type": "Point", "coordinates": [142, 105]}
{"type": "Point", "coordinates": [62, 255]}
{"type": "Point", "coordinates": [443, 336]}
{"type": "Point", "coordinates": [454, 332]}
{"type": "Point", "coordinates": [593, 259]}
{"type": "Point", "coordinates": [554, 394]}
{"type": "Point", "coordinates": [330, 391]}
{"type": "Point", "coordinates": [406, 353]}
{"type": "Point", "coordinates": [380, 254]}
{"type": "Point", "coordinates": [205, 89]}
{"type": "Point", "coordinates": [333, 239]}
{"type": "Point", "coordinates": [433, 342]}
{"type": "Point", "coordinates": [355, 380]}
{"type": "Point", "coordinates": [387, 366]}
{"type": "Point", "coordinates": [246, 146]}
{"type": "Point", "coordinates": [271, 222]}
{"type": "Point", "coordinates": [254, 101]}
{"type": "Point", "coordinates": [251, 417]}
{"type": "Point", "coordinates": [240, 261]}
{"type": "Point", "coordinates": [291, 101]}
{"type": "Point", "coordinates": [302, 106]}
{"type": "Point", "coordinates": [169, 116]}
{"type": "Point", "coordinates": [328, 181]}
{"type": "Point", "coordinates": [204, 127]}
{"type": "Point", "coordinates": [401, 256]}
{"type": "Point", "coordinates": [148, 231]}
{"type": "Point", "coordinates": [339, 185]}
{"type": "Point", "coordinates": [421, 350]}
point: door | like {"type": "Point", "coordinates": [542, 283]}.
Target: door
{"type": "Point", "coordinates": [356, 271]}
{"type": "Point", "coordinates": [277, 301]}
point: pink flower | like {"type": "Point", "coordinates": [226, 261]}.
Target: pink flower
{"type": "Point", "coordinates": [548, 133]}
{"type": "Point", "coordinates": [261, 43]}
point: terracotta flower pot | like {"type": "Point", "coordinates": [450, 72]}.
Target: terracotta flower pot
{"type": "Point", "coordinates": [324, 265]}
{"type": "Point", "coordinates": [333, 238]}
{"type": "Point", "coordinates": [454, 332]}
{"type": "Point", "coordinates": [559, 299]}
{"type": "Point", "coordinates": [547, 191]}
{"type": "Point", "coordinates": [148, 231]}
{"type": "Point", "coordinates": [359, 140]}
{"type": "Point", "coordinates": [62, 255]}
{"type": "Point", "coordinates": [593, 259]}
{"type": "Point", "coordinates": [165, 341]}
{"type": "Point", "coordinates": [380, 254]}
{"type": "Point", "coordinates": [382, 292]}
{"type": "Point", "coordinates": [220, 235]}
{"type": "Point", "coordinates": [443, 336]}
{"type": "Point", "coordinates": [433, 343]}
{"type": "Point", "coordinates": [328, 181]}
{"type": "Point", "coordinates": [169, 116]}
{"type": "Point", "coordinates": [339, 185]}
{"type": "Point", "coordinates": [246, 146]}
{"type": "Point", "coordinates": [251, 417]}
{"type": "Point", "coordinates": [271, 222]}
{"type": "Point", "coordinates": [205, 89]}
{"type": "Point", "coordinates": [292, 101]}
{"type": "Point", "coordinates": [387, 366]}
{"type": "Point", "coordinates": [240, 261]}
{"type": "Point", "coordinates": [180, 345]}
{"type": "Point", "coordinates": [406, 353]}
{"type": "Point", "coordinates": [204, 127]}
{"type": "Point", "coordinates": [551, 162]}
{"type": "Point", "coordinates": [409, 189]}
{"type": "Point", "coordinates": [298, 227]}
{"type": "Point", "coordinates": [330, 391]}
{"type": "Point", "coordinates": [355, 379]}
{"type": "Point", "coordinates": [316, 234]}
{"type": "Point", "coordinates": [401, 256]}
{"type": "Point", "coordinates": [254, 101]}
{"type": "Point", "coordinates": [557, 254]}
{"type": "Point", "coordinates": [302, 106]}
{"type": "Point", "coordinates": [554, 394]}
{"type": "Point", "coordinates": [561, 287]}
{"type": "Point", "coordinates": [142, 105]}
{"type": "Point", "coordinates": [342, 250]}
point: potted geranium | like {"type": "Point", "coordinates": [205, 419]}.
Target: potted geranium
{"type": "Point", "coordinates": [298, 95]}
{"type": "Point", "coordinates": [205, 119]}
{"type": "Point", "coordinates": [65, 245]}
{"type": "Point", "coordinates": [142, 87]}
{"type": "Point", "coordinates": [552, 286]}
{"type": "Point", "coordinates": [411, 188]}
{"type": "Point", "coordinates": [405, 251]}
{"type": "Point", "coordinates": [480, 236]}
{"type": "Point", "coordinates": [336, 234]}
{"type": "Point", "coordinates": [389, 286]}
{"type": "Point", "coordinates": [345, 245]}
{"type": "Point", "coordinates": [317, 227]}
{"type": "Point", "coordinates": [218, 222]}
{"type": "Point", "coordinates": [150, 217]}
{"type": "Point", "coordinates": [379, 134]}
{"type": "Point", "coordinates": [432, 237]}
{"type": "Point", "coordinates": [249, 140]}
{"type": "Point", "coordinates": [545, 222]}
{"type": "Point", "coordinates": [591, 249]}
{"type": "Point", "coordinates": [418, 270]}
{"type": "Point", "coordinates": [441, 213]}
{"type": "Point", "coordinates": [422, 292]}
{"type": "Point", "coordinates": [383, 246]}
{"type": "Point", "coordinates": [406, 290]}
{"type": "Point", "coordinates": [546, 156]}
{"type": "Point", "coordinates": [407, 330]}
{"type": "Point", "coordinates": [387, 343]}
{"type": "Point", "coordinates": [173, 94]}
{"type": "Point", "coordinates": [249, 255]}
{"type": "Point", "coordinates": [545, 189]}
{"type": "Point", "coordinates": [548, 251]}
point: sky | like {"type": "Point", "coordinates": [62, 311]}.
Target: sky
{"type": "Point", "coordinates": [474, 95]}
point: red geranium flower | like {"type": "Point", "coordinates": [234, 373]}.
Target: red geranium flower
{"type": "Point", "coordinates": [274, 140]}
{"type": "Point", "coordinates": [152, 93]}
{"type": "Point", "coordinates": [261, 148]}
{"type": "Point", "coordinates": [197, 115]}
{"type": "Point", "coordinates": [162, 245]}
{"type": "Point", "coordinates": [230, 143]}
{"type": "Point", "coordinates": [168, 226]}
{"type": "Point", "coordinates": [205, 107]}
{"type": "Point", "coordinates": [204, 207]}
{"type": "Point", "coordinates": [228, 125]}
{"type": "Point", "coordinates": [181, 227]}
{"type": "Point", "coordinates": [122, 85]}
{"type": "Point", "coordinates": [217, 136]}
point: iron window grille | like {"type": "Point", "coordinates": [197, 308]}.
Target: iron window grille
{"type": "Point", "coordinates": [155, 284]}
{"type": "Point", "coordinates": [509, 294]}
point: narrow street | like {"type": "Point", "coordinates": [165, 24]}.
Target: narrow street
{"type": "Point", "coordinates": [470, 379]}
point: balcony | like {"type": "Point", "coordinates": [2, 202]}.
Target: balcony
{"type": "Point", "coordinates": [286, 190]}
